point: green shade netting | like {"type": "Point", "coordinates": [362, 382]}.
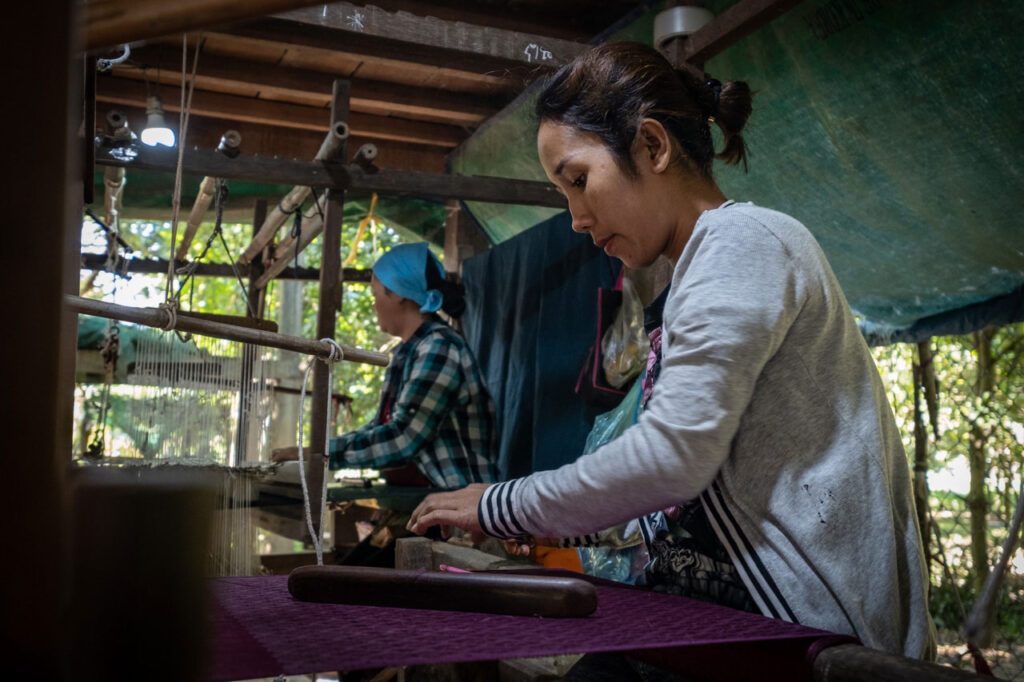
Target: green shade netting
{"type": "Point", "coordinates": [892, 130]}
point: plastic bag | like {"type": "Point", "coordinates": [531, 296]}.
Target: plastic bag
{"type": "Point", "coordinates": [624, 346]}
{"type": "Point", "coordinates": [624, 556]}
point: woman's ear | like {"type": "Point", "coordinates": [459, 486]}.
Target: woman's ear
{"type": "Point", "coordinates": [654, 145]}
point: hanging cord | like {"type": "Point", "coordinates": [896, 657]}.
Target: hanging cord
{"type": "Point", "coordinates": [218, 232]}
{"type": "Point", "coordinates": [104, 65]}
{"type": "Point", "coordinates": [337, 354]}
{"type": "Point", "coordinates": [183, 117]}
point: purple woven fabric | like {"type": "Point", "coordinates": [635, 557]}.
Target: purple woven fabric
{"type": "Point", "coordinates": [258, 630]}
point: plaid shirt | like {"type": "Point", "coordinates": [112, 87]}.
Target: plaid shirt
{"type": "Point", "coordinates": [434, 412]}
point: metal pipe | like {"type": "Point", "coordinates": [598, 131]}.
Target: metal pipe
{"type": "Point", "coordinates": [160, 318]}
{"type": "Point", "coordinates": [329, 148]}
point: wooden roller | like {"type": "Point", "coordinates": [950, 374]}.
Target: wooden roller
{"type": "Point", "coordinates": [503, 593]}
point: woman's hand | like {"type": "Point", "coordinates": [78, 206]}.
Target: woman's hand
{"type": "Point", "coordinates": [456, 508]}
{"type": "Point", "coordinates": [285, 454]}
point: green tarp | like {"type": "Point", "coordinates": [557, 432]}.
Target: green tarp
{"type": "Point", "coordinates": [893, 130]}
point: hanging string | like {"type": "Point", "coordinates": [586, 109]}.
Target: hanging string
{"type": "Point", "coordinates": [337, 354]}
{"type": "Point", "coordinates": [183, 117]}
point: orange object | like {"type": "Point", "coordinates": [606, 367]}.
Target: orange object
{"type": "Point", "coordinates": [556, 557]}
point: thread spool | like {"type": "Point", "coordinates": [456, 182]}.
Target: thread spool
{"type": "Point", "coordinates": [679, 21]}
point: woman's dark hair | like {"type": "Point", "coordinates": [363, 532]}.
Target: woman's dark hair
{"type": "Point", "coordinates": [453, 302]}
{"type": "Point", "coordinates": [610, 89]}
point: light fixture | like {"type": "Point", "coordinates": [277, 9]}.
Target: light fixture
{"type": "Point", "coordinates": [156, 130]}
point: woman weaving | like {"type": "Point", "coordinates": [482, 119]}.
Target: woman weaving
{"type": "Point", "coordinates": [768, 423]}
{"type": "Point", "coordinates": [435, 418]}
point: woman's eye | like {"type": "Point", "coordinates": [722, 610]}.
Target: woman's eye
{"type": "Point", "coordinates": [580, 181]}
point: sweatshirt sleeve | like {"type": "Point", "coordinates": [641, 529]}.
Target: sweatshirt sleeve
{"type": "Point", "coordinates": [735, 292]}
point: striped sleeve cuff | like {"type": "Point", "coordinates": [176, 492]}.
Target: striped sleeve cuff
{"type": "Point", "coordinates": [592, 540]}
{"type": "Point", "coordinates": [496, 513]}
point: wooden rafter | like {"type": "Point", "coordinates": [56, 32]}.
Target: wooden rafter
{"type": "Point", "coordinates": [260, 139]}
{"type": "Point", "coordinates": [732, 25]}
{"type": "Point", "coordinates": [277, 82]}
{"type": "Point", "coordinates": [319, 174]}
{"type": "Point", "coordinates": [402, 36]}
{"type": "Point", "coordinates": [237, 108]}
{"type": "Point", "coordinates": [556, 20]}
{"type": "Point", "coordinates": [105, 23]}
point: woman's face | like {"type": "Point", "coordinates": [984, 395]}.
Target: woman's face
{"type": "Point", "coordinates": [618, 212]}
{"type": "Point", "coordinates": [388, 306]}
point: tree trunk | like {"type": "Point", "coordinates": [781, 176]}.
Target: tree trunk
{"type": "Point", "coordinates": [977, 501]}
{"type": "Point", "coordinates": [922, 373]}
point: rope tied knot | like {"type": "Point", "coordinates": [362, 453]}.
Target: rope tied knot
{"type": "Point", "coordinates": [337, 352]}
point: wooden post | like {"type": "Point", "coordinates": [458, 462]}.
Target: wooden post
{"type": "Point", "coordinates": [38, 425]}
{"type": "Point", "coordinates": [462, 238]}
{"type": "Point", "coordinates": [329, 300]}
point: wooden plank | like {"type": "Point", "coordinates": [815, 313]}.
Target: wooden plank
{"type": "Point", "coordinates": [468, 188]}
{"type": "Point", "coordinates": [425, 40]}
{"type": "Point", "coordinates": [236, 108]}
{"type": "Point", "coordinates": [276, 82]}
{"type": "Point", "coordinates": [374, 66]}
{"type": "Point", "coordinates": [105, 23]}
{"type": "Point", "coordinates": [321, 174]}
{"type": "Point", "coordinates": [158, 266]}
{"type": "Point", "coordinates": [729, 27]}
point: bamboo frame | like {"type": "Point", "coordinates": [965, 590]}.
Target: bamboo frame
{"type": "Point", "coordinates": [160, 318]}
{"type": "Point", "coordinates": [332, 144]}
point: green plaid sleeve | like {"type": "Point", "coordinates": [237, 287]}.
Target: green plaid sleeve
{"type": "Point", "coordinates": [422, 404]}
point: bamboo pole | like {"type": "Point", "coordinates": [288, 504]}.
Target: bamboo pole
{"type": "Point", "coordinates": [286, 255]}
{"type": "Point", "coordinates": [333, 142]}
{"type": "Point", "coordinates": [159, 317]}
{"type": "Point", "coordinates": [207, 188]}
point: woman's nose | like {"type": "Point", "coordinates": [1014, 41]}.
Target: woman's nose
{"type": "Point", "coordinates": [581, 220]}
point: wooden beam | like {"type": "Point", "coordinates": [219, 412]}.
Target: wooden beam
{"type": "Point", "coordinates": [425, 40]}
{"type": "Point", "coordinates": [320, 174]}
{"type": "Point", "coordinates": [234, 108]}
{"type": "Point", "coordinates": [491, 14]}
{"type": "Point", "coordinates": [728, 28]}
{"type": "Point", "coordinates": [105, 23]}
{"type": "Point", "coordinates": [259, 139]}
{"type": "Point", "coordinates": [276, 82]}
{"type": "Point", "coordinates": [158, 266]}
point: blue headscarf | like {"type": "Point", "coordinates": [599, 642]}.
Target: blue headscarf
{"type": "Point", "coordinates": [403, 270]}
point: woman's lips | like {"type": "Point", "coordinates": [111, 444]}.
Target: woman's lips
{"type": "Point", "coordinates": [604, 242]}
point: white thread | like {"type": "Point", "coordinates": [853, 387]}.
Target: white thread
{"type": "Point", "coordinates": [336, 355]}
{"type": "Point", "coordinates": [172, 316]}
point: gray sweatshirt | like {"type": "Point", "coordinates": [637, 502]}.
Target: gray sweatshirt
{"type": "Point", "coordinates": [768, 408]}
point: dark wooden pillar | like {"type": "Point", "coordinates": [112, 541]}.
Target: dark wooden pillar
{"type": "Point", "coordinates": [39, 346]}
{"type": "Point", "coordinates": [329, 302]}
{"type": "Point", "coordinates": [462, 238]}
